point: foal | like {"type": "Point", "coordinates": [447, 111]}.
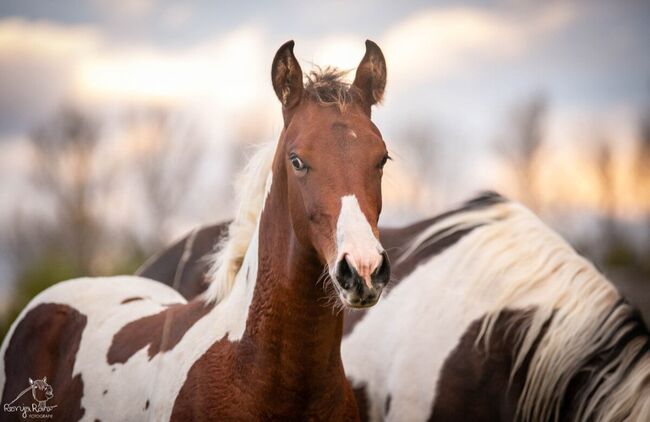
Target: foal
{"type": "Point", "coordinates": [260, 343]}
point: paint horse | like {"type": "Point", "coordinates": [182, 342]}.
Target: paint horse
{"type": "Point", "coordinates": [262, 342]}
{"type": "Point", "coordinates": [492, 316]}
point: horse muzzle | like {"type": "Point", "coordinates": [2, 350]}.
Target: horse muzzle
{"type": "Point", "coordinates": [359, 283]}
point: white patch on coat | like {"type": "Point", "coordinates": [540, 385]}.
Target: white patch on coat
{"type": "Point", "coordinates": [355, 239]}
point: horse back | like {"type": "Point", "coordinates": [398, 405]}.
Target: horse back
{"type": "Point", "coordinates": [185, 264]}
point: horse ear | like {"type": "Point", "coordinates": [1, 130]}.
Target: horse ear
{"type": "Point", "coordinates": [286, 76]}
{"type": "Point", "coordinates": [370, 78]}
{"type": "Point", "coordinates": [45, 379]}
{"type": "Point", "coordinates": [31, 382]}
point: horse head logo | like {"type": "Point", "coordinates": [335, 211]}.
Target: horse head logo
{"type": "Point", "coordinates": [41, 391]}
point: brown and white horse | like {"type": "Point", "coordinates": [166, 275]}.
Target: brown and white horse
{"type": "Point", "coordinates": [503, 321]}
{"type": "Point", "coordinates": [262, 342]}
{"type": "Point", "coordinates": [492, 316]}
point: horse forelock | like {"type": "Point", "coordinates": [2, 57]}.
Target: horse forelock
{"type": "Point", "coordinates": [327, 86]}
{"type": "Point", "coordinates": [251, 188]}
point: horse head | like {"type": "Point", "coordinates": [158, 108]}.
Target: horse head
{"type": "Point", "coordinates": [331, 158]}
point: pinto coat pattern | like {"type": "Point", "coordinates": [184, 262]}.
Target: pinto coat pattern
{"type": "Point", "coordinates": [486, 302]}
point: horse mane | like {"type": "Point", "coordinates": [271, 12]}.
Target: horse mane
{"type": "Point", "coordinates": [579, 327]}
{"type": "Point", "coordinates": [250, 191]}
{"type": "Point", "coordinates": [327, 87]}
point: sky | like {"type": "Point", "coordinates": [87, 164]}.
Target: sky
{"type": "Point", "coordinates": [455, 68]}
{"type": "Point", "coordinates": [587, 56]}
{"type": "Point", "coordinates": [444, 58]}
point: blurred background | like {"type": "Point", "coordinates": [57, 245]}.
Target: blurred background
{"type": "Point", "coordinates": [123, 123]}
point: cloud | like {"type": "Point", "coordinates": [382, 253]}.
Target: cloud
{"type": "Point", "coordinates": [45, 64]}
{"type": "Point", "coordinates": [126, 9]}
{"type": "Point", "coordinates": [215, 80]}
{"type": "Point", "coordinates": [18, 36]}
{"type": "Point", "coordinates": [38, 61]}
{"type": "Point", "coordinates": [177, 15]}
{"type": "Point", "coordinates": [433, 43]}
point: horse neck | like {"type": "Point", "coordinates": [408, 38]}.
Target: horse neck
{"type": "Point", "coordinates": [290, 323]}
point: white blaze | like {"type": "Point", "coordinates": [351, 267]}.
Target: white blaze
{"type": "Point", "coordinates": [355, 239]}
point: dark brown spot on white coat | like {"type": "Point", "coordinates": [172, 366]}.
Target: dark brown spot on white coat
{"type": "Point", "coordinates": [160, 332]}
{"type": "Point", "coordinates": [46, 342]}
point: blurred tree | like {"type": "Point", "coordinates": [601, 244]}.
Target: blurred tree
{"type": "Point", "coordinates": [168, 157]}
{"type": "Point", "coordinates": [604, 161]}
{"type": "Point", "coordinates": [423, 151]}
{"type": "Point", "coordinates": [63, 154]}
{"type": "Point", "coordinates": [60, 239]}
{"type": "Point", "coordinates": [520, 147]}
{"type": "Point", "coordinates": [642, 170]}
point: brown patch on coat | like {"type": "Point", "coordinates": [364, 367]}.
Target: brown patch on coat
{"type": "Point", "coordinates": [45, 343]}
{"type": "Point", "coordinates": [389, 398]}
{"type": "Point", "coordinates": [161, 331]}
{"type": "Point", "coordinates": [130, 299]}
{"type": "Point", "coordinates": [363, 404]}
{"type": "Point", "coordinates": [474, 385]}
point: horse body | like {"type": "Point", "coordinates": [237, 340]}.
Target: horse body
{"type": "Point", "coordinates": [508, 324]}
{"type": "Point", "coordinates": [492, 316]}
{"type": "Point", "coordinates": [261, 342]}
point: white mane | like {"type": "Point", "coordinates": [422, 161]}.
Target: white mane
{"type": "Point", "coordinates": [251, 187]}
{"type": "Point", "coordinates": [514, 261]}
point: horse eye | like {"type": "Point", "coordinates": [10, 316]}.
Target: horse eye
{"type": "Point", "coordinates": [384, 161]}
{"type": "Point", "coordinates": [297, 163]}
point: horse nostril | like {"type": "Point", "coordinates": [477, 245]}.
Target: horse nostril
{"type": "Point", "coordinates": [345, 274]}
{"type": "Point", "coordinates": [381, 275]}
